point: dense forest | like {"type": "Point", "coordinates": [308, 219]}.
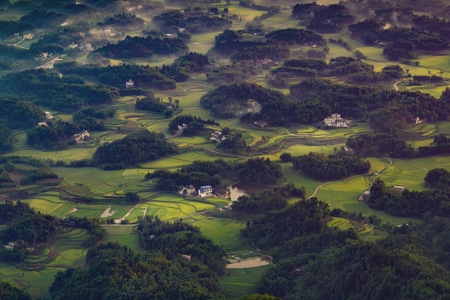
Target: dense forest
{"type": "Point", "coordinates": [136, 47]}
{"type": "Point", "coordinates": [197, 174]}
{"type": "Point", "coordinates": [189, 125]}
{"type": "Point", "coordinates": [334, 167]}
{"type": "Point", "coordinates": [394, 267]}
{"type": "Point", "coordinates": [48, 89]}
{"type": "Point", "coordinates": [233, 100]}
{"type": "Point", "coordinates": [195, 20]}
{"type": "Point", "coordinates": [136, 147]}
{"type": "Point", "coordinates": [382, 144]}
{"type": "Point", "coordinates": [259, 170]}
{"type": "Point", "coordinates": [261, 202]}
{"type": "Point", "coordinates": [179, 263]}
{"type": "Point", "coordinates": [55, 136]}
{"type": "Point", "coordinates": [408, 203]}
{"type": "Point", "coordinates": [142, 76]}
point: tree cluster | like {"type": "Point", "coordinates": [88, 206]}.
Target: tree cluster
{"type": "Point", "coordinates": [294, 36]}
{"type": "Point", "coordinates": [439, 146]}
{"type": "Point", "coordinates": [91, 117]}
{"type": "Point", "coordinates": [8, 28]}
{"type": "Point", "coordinates": [23, 226]}
{"type": "Point", "coordinates": [272, 50]}
{"type": "Point", "coordinates": [19, 114]}
{"type": "Point", "coordinates": [136, 147]}
{"type": "Point", "coordinates": [343, 267]}
{"type": "Point", "coordinates": [115, 272]}
{"type": "Point", "coordinates": [425, 78]}
{"type": "Point", "coordinates": [234, 141]}
{"type": "Point", "coordinates": [198, 174]}
{"type": "Point", "coordinates": [235, 73]}
{"type": "Point", "coordinates": [438, 179]}
{"type": "Point", "coordinates": [409, 203]}
{"type": "Point", "coordinates": [142, 76]}
{"type": "Point", "coordinates": [33, 176]}
{"type": "Point", "coordinates": [314, 261]}
{"type": "Point", "coordinates": [56, 42]}
{"type": "Point", "coordinates": [231, 42]}
{"type": "Point", "coordinates": [54, 136]}
{"type": "Point", "coordinates": [388, 111]}
{"type": "Point", "coordinates": [48, 89]}
{"type": "Point", "coordinates": [334, 167]}
{"type": "Point", "coordinates": [259, 170]}
{"type": "Point", "coordinates": [96, 232]}
{"type": "Point", "coordinates": [5, 140]}
{"type": "Point", "coordinates": [321, 18]}
{"type": "Point", "coordinates": [353, 69]}
{"type": "Point", "coordinates": [9, 292]}
{"type": "Point", "coordinates": [43, 19]}
{"type": "Point", "coordinates": [5, 179]}
{"type": "Point", "coordinates": [401, 42]}
{"type": "Point", "coordinates": [180, 238]}
{"type": "Point", "coordinates": [230, 100]}
{"type": "Point", "coordinates": [380, 144]}
{"type": "Point", "coordinates": [433, 24]}
{"type": "Point", "coordinates": [139, 47]}
{"type": "Point", "coordinates": [192, 22]}
{"type": "Point", "coordinates": [244, 45]}
{"type": "Point", "coordinates": [274, 228]}
{"type": "Point", "coordinates": [123, 20]}
{"type": "Point", "coordinates": [151, 104]}
{"type": "Point", "coordinates": [265, 201]}
{"type": "Point", "coordinates": [192, 62]}
{"type": "Point", "coordinates": [191, 125]}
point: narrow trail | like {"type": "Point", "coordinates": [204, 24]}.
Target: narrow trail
{"type": "Point", "coordinates": [117, 221]}
{"type": "Point", "coordinates": [395, 85]}
{"type": "Point", "coordinates": [218, 152]}
{"type": "Point", "coordinates": [416, 165]}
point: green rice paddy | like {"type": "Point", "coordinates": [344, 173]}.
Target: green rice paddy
{"type": "Point", "coordinates": [223, 232]}
{"type": "Point", "coordinates": [341, 223]}
{"type": "Point", "coordinates": [242, 281]}
{"type": "Point", "coordinates": [125, 235]}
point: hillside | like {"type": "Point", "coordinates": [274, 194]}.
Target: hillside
{"type": "Point", "coordinates": [228, 149]}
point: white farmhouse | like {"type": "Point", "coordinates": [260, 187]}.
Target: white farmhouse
{"type": "Point", "coordinates": [335, 120]}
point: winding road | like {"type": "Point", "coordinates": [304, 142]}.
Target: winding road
{"type": "Point", "coordinates": [395, 85]}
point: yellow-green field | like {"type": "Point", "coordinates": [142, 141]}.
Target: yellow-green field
{"type": "Point", "coordinates": [344, 195]}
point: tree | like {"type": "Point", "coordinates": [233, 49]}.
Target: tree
{"type": "Point", "coordinates": [259, 170]}
{"type": "Point", "coordinates": [131, 197]}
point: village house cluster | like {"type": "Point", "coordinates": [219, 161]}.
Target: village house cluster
{"type": "Point", "coordinates": [80, 137]}
{"type": "Point", "coordinates": [204, 191]}
{"type": "Point", "coordinates": [335, 120]}
{"type": "Point", "coordinates": [218, 136]}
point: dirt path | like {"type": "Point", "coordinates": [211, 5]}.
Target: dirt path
{"type": "Point", "coordinates": [49, 64]}
{"type": "Point", "coordinates": [249, 263]}
{"type": "Point", "coordinates": [117, 221]}
{"type": "Point", "coordinates": [416, 165]}
{"type": "Point", "coordinates": [107, 213]}
{"type": "Point", "coordinates": [218, 152]}
{"type": "Point", "coordinates": [395, 85]}
{"type": "Point", "coordinates": [145, 211]}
